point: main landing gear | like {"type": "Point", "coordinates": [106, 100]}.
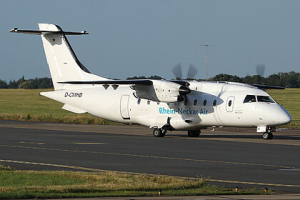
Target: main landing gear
{"type": "Point", "coordinates": [159, 132]}
{"type": "Point", "coordinates": [194, 133]}
{"type": "Point", "coordinates": [268, 135]}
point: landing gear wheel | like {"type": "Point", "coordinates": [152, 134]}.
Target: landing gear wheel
{"type": "Point", "coordinates": [157, 132]}
{"type": "Point", "coordinates": [194, 133]}
{"type": "Point", "coordinates": [268, 136]}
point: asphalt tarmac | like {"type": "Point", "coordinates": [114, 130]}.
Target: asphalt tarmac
{"type": "Point", "coordinates": [226, 157]}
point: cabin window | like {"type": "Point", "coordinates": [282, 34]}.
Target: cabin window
{"type": "Point", "coordinates": [204, 102]}
{"type": "Point", "coordinates": [148, 102]}
{"type": "Point", "coordinates": [139, 101]}
{"type": "Point", "coordinates": [215, 103]}
{"type": "Point", "coordinates": [266, 99]}
{"type": "Point", "coordinates": [195, 102]}
{"type": "Point", "coordinates": [229, 103]}
{"type": "Point", "coordinates": [250, 99]}
{"type": "Point", "coordinates": [158, 103]}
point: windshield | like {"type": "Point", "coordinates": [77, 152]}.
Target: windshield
{"type": "Point", "coordinates": [253, 98]}
{"type": "Point", "coordinates": [267, 99]}
{"type": "Point", "coordinates": [249, 99]}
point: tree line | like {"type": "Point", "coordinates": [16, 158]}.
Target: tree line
{"type": "Point", "coordinates": [283, 79]}
{"type": "Point", "coordinates": [37, 83]}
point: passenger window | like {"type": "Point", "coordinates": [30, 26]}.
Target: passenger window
{"type": "Point", "coordinates": [229, 103]}
{"type": "Point", "coordinates": [195, 102]}
{"type": "Point", "coordinates": [267, 99]}
{"type": "Point", "coordinates": [215, 103]}
{"type": "Point", "coordinates": [139, 101]}
{"type": "Point", "coordinates": [249, 99]}
{"type": "Point", "coordinates": [148, 102]}
{"type": "Point", "coordinates": [204, 102]}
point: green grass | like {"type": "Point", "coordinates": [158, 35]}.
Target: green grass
{"type": "Point", "coordinates": [21, 104]}
{"type": "Point", "coordinates": [15, 184]}
{"type": "Point", "coordinates": [290, 100]}
{"type": "Point", "coordinates": [29, 105]}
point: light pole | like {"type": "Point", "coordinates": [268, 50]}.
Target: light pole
{"type": "Point", "coordinates": [206, 56]}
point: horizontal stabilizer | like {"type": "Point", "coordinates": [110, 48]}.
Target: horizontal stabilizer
{"type": "Point", "coordinates": [73, 109]}
{"type": "Point", "coordinates": [39, 32]}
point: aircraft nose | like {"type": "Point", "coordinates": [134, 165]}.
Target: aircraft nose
{"type": "Point", "coordinates": [284, 116]}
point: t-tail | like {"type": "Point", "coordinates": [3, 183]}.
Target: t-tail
{"type": "Point", "coordinates": [63, 63]}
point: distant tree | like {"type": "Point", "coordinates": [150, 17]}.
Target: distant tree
{"type": "Point", "coordinates": [13, 84]}
{"type": "Point", "coordinates": [226, 77]}
{"type": "Point", "coordinates": [3, 84]}
{"type": "Point", "coordinates": [155, 77]}
{"type": "Point", "coordinates": [136, 77]}
{"type": "Point", "coordinates": [27, 85]}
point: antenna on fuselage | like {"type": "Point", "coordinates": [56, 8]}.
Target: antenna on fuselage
{"type": "Point", "coordinates": [206, 57]}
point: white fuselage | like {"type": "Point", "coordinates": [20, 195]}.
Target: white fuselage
{"type": "Point", "coordinates": [209, 104]}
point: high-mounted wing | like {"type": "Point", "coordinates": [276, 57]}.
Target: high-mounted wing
{"type": "Point", "coordinates": [268, 87]}
{"type": "Point", "coordinates": [112, 82]}
{"type": "Point", "coordinates": [156, 90]}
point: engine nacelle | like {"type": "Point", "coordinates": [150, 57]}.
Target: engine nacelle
{"type": "Point", "coordinates": [163, 91]}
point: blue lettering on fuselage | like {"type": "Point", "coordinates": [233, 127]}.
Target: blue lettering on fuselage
{"type": "Point", "coordinates": [182, 111]}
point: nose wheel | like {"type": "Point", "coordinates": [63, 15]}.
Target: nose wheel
{"type": "Point", "coordinates": [268, 136]}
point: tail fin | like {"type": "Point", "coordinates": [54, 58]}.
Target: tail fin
{"type": "Point", "coordinates": [63, 63]}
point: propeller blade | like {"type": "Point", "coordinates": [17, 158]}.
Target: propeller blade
{"type": "Point", "coordinates": [177, 71]}
{"type": "Point", "coordinates": [260, 70]}
{"type": "Point", "coordinates": [192, 72]}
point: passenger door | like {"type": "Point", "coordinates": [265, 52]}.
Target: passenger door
{"type": "Point", "coordinates": [124, 107]}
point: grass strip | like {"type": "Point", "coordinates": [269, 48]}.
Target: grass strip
{"type": "Point", "coordinates": [16, 184]}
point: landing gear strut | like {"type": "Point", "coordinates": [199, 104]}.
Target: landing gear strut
{"type": "Point", "coordinates": [158, 132]}
{"type": "Point", "coordinates": [268, 136]}
{"type": "Point", "coordinates": [194, 133]}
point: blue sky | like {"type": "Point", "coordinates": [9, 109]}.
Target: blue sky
{"type": "Point", "coordinates": [148, 37]}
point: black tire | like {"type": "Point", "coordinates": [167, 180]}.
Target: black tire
{"type": "Point", "coordinates": [157, 132]}
{"type": "Point", "coordinates": [268, 136]}
{"type": "Point", "coordinates": [194, 133]}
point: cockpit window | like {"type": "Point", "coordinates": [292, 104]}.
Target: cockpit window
{"type": "Point", "coordinates": [267, 99]}
{"type": "Point", "coordinates": [249, 99]}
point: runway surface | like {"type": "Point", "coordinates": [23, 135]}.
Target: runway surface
{"type": "Point", "coordinates": [227, 157]}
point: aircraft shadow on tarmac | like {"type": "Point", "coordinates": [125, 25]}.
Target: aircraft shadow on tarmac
{"type": "Point", "coordinates": [258, 136]}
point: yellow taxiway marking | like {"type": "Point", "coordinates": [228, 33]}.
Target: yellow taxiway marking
{"type": "Point", "coordinates": [134, 173]}
{"type": "Point", "coordinates": [39, 143]}
{"type": "Point", "coordinates": [154, 157]}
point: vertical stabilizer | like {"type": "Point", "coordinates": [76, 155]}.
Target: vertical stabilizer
{"type": "Point", "coordinates": [63, 63]}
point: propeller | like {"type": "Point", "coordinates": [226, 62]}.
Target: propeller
{"type": "Point", "coordinates": [184, 88]}
{"type": "Point", "coordinates": [177, 71]}
{"type": "Point", "coordinates": [260, 70]}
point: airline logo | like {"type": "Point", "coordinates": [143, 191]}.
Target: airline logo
{"type": "Point", "coordinates": [201, 111]}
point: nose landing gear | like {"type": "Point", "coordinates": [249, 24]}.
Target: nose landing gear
{"type": "Point", "coordinates": [268, 135]}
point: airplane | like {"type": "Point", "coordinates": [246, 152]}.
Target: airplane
{"type": "Point", "coordinates": [162, 105]}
